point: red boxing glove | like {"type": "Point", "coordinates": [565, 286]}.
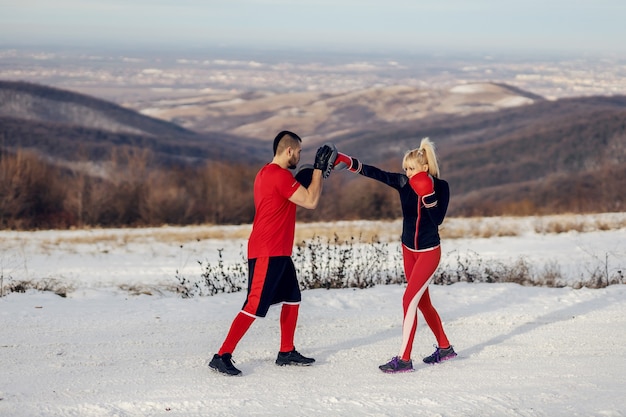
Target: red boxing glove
{"type": "Point", "coordinates": [344, 161]}
{"type": "Point", "coordinates": [422, 184]}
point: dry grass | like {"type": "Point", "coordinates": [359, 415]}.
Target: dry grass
{"type": "Point", "coordinates": [120, 237]}
{"type": "Point", "coordinates": [485, 227]}
{"type": "Point", "coordinates": [481, 227]}
{"type": "Point", "coordinates": [580, 223]}
{"type": "Point", "coordinates": [364, 231]}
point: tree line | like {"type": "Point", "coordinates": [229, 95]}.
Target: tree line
{"type": "Point", "coordinates": [130, 190]}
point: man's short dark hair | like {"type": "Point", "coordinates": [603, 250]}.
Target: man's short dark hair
{"type": "Point", "coordinates": [281, 135]}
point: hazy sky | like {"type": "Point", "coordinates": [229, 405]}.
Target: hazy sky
{"type": "Point", "coordinates": [363, 25]}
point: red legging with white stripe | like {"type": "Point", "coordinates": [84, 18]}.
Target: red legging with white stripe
{"type": "Point", "coordinates": [419, 268]}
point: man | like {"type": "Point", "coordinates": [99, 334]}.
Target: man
{"type": "Point", "coordinates": [271, 272]}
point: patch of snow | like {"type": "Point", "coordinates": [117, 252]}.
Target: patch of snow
{"type": "Point", "coordinates": [523, 351]}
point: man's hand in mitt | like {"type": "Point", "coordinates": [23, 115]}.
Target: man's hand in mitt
{"type": "Point", "coordinates": [304, 175]}
{"type": "Point", "coordinates": [325, 159]}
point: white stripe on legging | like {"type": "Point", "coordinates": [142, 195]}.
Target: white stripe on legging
{"type": "Point", "coordinates": [411, 316]}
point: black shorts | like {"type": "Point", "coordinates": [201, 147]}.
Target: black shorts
{"type": "Point", "coordinates": [271, 280]}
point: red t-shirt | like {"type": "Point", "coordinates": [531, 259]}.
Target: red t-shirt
{"type": "Point", "coordinates": [274, 222]}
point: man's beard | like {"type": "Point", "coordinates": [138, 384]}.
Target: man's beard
{"type": "Point", "coordinates": [293, 163]}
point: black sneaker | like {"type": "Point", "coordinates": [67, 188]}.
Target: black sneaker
{"type": "Point", "coordinates": [440, 355]}
{"type": "Point", "coordinates": [223, 364]}
{"type": "Point", "coordinates": [396, 365]}
{"type": "Point", "coordinates": [293, 358]}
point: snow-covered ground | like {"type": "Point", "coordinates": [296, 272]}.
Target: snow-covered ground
{"type": "Point", "coordinates": [103, 351]}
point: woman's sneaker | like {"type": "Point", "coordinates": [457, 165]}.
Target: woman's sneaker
{"type": "Point", "coordinates": [293, 358]}
{"type": "Point", "coordinates": [224, 365]}
{"type": "Point", "coordinates": [396, 365]}
{"type": "Point", "coordinates": [440, 355]}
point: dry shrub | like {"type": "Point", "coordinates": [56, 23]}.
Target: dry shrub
{"type": "Point", "coordinates": [561, 226]}
{"type": "Point", "coordinates": [54, 285]}
{"type": "Point", "coordinates": [31, 193]}
{"type": "Point", "coordinates": [470, 267]}
{"type": "Point", "coordinates": [127, 190]}
{"type": "Point", "coordinates": [165, 200]}
{"type": "Point", "coordinates": [579, 222]}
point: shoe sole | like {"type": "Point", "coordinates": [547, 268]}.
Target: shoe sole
{"type": "Point", "coordinates": [447, 358]}
{"type": "Point", "coordinates": [400, 371]}
{"type": "Point", "coordinates": [223, 373]}
{"type": "Point", "coordinates": [294, 363]}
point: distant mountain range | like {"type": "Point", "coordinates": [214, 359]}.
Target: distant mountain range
{"type": "Point", "coordinates": [500, 148]}
{"type": "Point", "coordinates": [321, 116]}
{"type": "Point", "coordinates": [66, 125]}
{"type": "Point", "coordinates": [552, 156]}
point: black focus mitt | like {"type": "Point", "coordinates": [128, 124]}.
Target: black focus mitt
{"type": "Point", "coordinates": [304, 175]}
{"type": "Point", "coordinates": [325, 158]}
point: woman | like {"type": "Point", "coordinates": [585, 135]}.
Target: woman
{"type": "Point", "coordinates": [424, 199]}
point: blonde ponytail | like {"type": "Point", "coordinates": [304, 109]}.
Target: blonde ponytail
{"type": "Point", "coordinates": [424, 155]}
{"type": "Point", "coordinates": [431, 157]}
